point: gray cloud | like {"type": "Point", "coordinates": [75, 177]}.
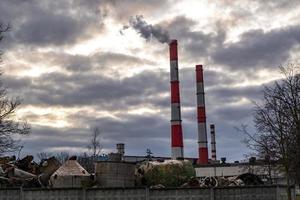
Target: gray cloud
{"type": "Point", "coordinates": [85, 64]}
{"type": "Point", "coordinates": [49, 29]}
{"type": "Point", "coordinates": [258, 48]}
{"type": "Point", "coordinates": [89, 89]}
{"type": "Point", "coordinates": [111, 59]}
{"type": "Point", "coordinates": [231, 94]}
{"type": "Point", "coordinates": [255, 48]}
{"type": "Point", "coordinates": [42, 23]}
{"type": "Point", "coordinates": [136, 131]}
{"type": "Point", "coordinates": [196, 44]}
{"type": "Point", "coordinates": [137, 7]}
{"type": "Point", "coordinates": [48, 23]}
{"type": "Point", "coordinates": [279, 5]}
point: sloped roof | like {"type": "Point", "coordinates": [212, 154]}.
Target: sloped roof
{"type": "Point", "coordinates": [71, 168]}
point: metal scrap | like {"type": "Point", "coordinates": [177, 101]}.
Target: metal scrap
{"type": "Point", "coordinates": [25, 172]}
{"type": "Point", "coordinates": [241, 180]}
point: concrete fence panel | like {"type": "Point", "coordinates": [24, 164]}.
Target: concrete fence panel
{"type": "Point", "coordinates": [225, 193]}
{"type": "Point", "coordinates": [116, 194]}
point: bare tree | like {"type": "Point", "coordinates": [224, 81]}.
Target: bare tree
{"type": "Point", "coordinates": [277, 124]}
{"type": "Point", "coordinates": [95, 145]}
{"type": "Point", "coordinates": [62, 157]}
{"type": "Point", "coordinates": [43, 155]}
{"type": "Point", "coordinates": [8, 106]}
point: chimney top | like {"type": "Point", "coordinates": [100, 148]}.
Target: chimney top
{"type": "Point", "coordinates": [199, 67]}
{"type": "Point", "coordinates": [173, 42]}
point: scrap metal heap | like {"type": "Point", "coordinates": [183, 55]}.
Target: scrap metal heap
{"type": "Point", "coordinates": [181, 173]}
{"type": "Point", "coordinates": [169, 173]}
{"type": "Point", "coordinates": [26, 172]}
{"type": "Point", "coordinates": [154, 174]}
{"type": "Point", "coordinates": [219, 181]}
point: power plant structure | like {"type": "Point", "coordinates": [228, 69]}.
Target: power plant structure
{"type": "Point", "coordinates": [213, 143]}
{"type": "Point", "coordinates": [201, 116]}
{"type": "Point", "coordinates": [176, 128]}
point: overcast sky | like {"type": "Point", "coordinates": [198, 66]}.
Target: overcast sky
{"type": "Point", "coordinates": [78, 64]}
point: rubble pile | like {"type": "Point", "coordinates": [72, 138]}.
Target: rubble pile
{"type": "Point", "coordinates": [155, 174]}
{"type": "Point", "coordinates": [170, 173]}
{"type": "Point", "coordinates": [26, 172]}
{"type": "Point", "coordinates": [241, 180]}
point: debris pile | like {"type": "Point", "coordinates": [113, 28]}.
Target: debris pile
{"type": "Point", "coordinates": [241, 180]}
{"type": "Point", "coordinates": [170, 173]}
{"type": "Point", "coordinates": [26, 172]}
{"type": "Point", "coordinates": [154, 174]}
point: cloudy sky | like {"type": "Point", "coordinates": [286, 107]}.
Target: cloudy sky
{"type": "Point", "coordinates": [78, 64]}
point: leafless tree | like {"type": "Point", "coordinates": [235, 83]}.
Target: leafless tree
{"type": "Point", "coordinates": [95, 145]}
{"type": "Point", "coordinates": [8, 106]}
{"type": "Point", "coordinates": [277, 124]}
{"type": "Point", "coordinates": [62, 157]}
{"type": "Point", "coordinates": [43, 155]}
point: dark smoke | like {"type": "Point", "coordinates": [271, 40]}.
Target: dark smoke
{"type": "Point", "coordinates": [148, 31]}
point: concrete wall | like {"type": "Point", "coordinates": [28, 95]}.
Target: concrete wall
{"type": "Point", "coordinates": [229, 193]}
{"type": "Point", "coordinates": [114, 174]}
{"type": "Point", "coordinates": [68, 181]}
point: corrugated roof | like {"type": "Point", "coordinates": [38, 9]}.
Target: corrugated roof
{"type": "Point", "coordinates": [71, 168]}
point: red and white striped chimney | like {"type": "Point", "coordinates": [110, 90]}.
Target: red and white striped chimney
{"type": "Point", "coordinates": [213, 143]}
{"type": "Point", "coordinates": [176, 129]}
{"type": "Point", "coordinates": [202, 136]}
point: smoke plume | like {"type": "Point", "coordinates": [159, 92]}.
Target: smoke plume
{"type": "Point", "coordinates": [148, 31]}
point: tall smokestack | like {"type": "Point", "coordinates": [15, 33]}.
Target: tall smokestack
{"type": "Point", "coordinates": [176, 129]}
{"type": "Point", "coordinates": [202, 136]}
{"type": "Point", "coordinates": [213, 143]}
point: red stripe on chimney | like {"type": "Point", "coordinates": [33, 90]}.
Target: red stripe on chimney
{"type": "Point", "coordinates": [201, 114]}
{"type": "Point", "coordinates": [199, 73]}
{"type": "Point", "coordinates": [203, 155]}
{"type": "Point", "coordinates": [177, 140]}
{"type": "Point", "coordinates": [173, 50]}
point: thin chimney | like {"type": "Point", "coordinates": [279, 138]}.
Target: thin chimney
{"type": "Point", "coordinates": [213, 143]}
{"type": "Point", "coordinates": [202, 135]}
{"type": "Point", "coordinates": [176, 128]}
